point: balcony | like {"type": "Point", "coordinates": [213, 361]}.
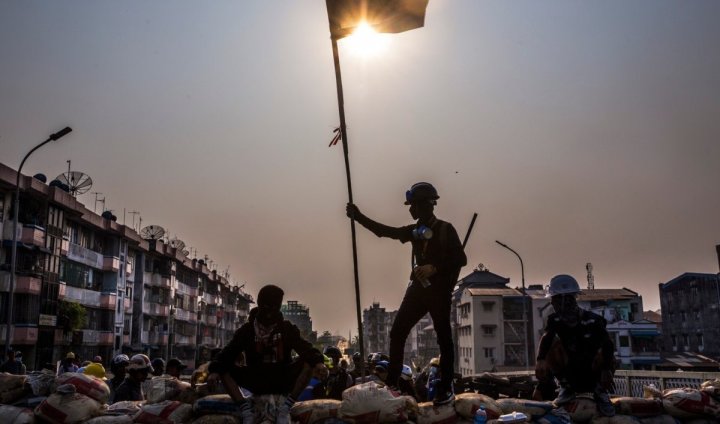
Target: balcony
{"type": "Point", "coordinates": [208, 341]}
{"type": "Point", "coordinates": [210, 299]}
{"type": "Point", "coordinates": [156, 309]}
{"type": "Point", "coordinates": [90, 297]}
{"type": "Point", "coordinates": [184, 289]}
{"type": "Point", "coordinates": [153, 338]}
{"type": "Point", "coordinates": [20, 335]}
{"type": "Point", "coordinates": [85, 256]}
{"type": "Point", "coordinates": [183, 340]}
{"type": "Point", "coordinates": [126, 339]}
{"type": "Point", "coordinates": [32, 234]}
{"type": "Point", "coordinates": [111, 263]}
{"type": "Point", "coordinates": [157, 280]}
{"type": "Point", "coordinates": [95, 337]}
{"type": "Point", "coordinates": [127, 304]}
{"type": "Point", "coordinates": [23, 284]}
{"type": "Point", "coordinates": [64, 247]}
{"type": "Point", "coordinates": [184, 315]}
{"type": "Point", "coordinates": [211, 320]}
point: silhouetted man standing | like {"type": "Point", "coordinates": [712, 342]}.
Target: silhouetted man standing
{"type": "Point", "coordinates": [438, 257]}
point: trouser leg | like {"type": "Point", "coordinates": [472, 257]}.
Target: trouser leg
{"type": "Point", "coordinates": [411, 310]}
{"type": "Point", "coordinates": [439, 308]}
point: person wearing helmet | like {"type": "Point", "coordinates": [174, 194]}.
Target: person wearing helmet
{"type": "Point", "coordinates": [118, 368]}
{"type": "Point", "coordinates": [158, 365]}
{"type": "Point", "coordinates": [575, 348]}
{"type": "Point", "coordinates": [14, 364]}
{"type": "Point", "coordinates": [137, 372]}
{"type": "Point", "coordinates": [437, 257]}
{"type": "Point", "coordinates": [267, 341]}
{"type": "Point", "coordinates": [96, 370]}
{"type": "Point", "coordinates": [68, 364]}
{"type": "Point", "coordinates": [406, 385]}
{"type": "Point", "coordinates": [338, 379]}
{"type": "Point", "coordinates": [316, 388]}
{"type": "Point", "coordinates": [356, 361]}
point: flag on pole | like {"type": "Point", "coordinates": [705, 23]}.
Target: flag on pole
{"type": "Point", "coordinates": [382, 15]}
{"type": "Point", "coordinates": [336, 137]}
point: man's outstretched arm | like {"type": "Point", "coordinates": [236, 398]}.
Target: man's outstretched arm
{"type": "Point", "coordinates": [381, 230]}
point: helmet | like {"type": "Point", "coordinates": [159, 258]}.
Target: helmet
{"type": "Point", "coordinates": [562, 284]}
{"type": "Point", "coordinates": [333, 352]}
{"type": "Point", "coordinates": [384, 365]}
{"type": "Point", "coordinates": [406, 373]}
{"type": "Point", "coordinates": [327, 361]}
{"type": "Point", "coordinates": [121, 359]}
{"type": "Point", "coordinates": [158, 363]}
{"type": "Point", "coordinates": [95, 370]}
{"type": "Point", "coordinates": [435, 362]}
{"type": "Point", "coordinates": [421, 191]}
{"type": "Point", "coordinates": [357, 357]}
{"type": "Point", "coordinates": [377, 357]}
{"type": "Point", "coordinates": [70, 355]}
{"type": "Point", "coordinates": [135, 362]}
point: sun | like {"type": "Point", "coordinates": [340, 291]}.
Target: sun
{"type": "Point", "coordinates": [366, 42]}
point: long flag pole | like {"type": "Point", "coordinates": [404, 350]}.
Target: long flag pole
{"type": "Point", "coordinates": [344, 137]}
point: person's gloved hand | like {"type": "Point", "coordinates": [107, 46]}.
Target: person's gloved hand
{"type": "Point", "coordinates": [352, 211]}
{"type": "Point", "coordinates": [606, 380]}
{"type": "Point", "coordinates": [423, 272]}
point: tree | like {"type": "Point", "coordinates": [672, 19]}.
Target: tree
{"type": "Point", "coordinates": [73, 316]}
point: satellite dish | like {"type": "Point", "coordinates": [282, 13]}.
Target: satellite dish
{"type": "Point", "coordinates": [152, 232]}
{"type": "Point", "coordinates": [185, 252]}
{"type": "Point", "coordinates": [78, 182]}
{"type": "Point", "coordinates": [177, 244]}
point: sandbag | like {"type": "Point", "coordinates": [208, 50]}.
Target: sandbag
{"type": "Point", "coordinates": [556, 416]}
{"type": "Point", "coordinates": [660, 419]}
{"type": "Point", "coordinates": [125, 407]}
{"type": "Point", "coordinates": [373, 403]}
{"type": "Point", "coordinates": [712, 387]}
{"type": "Point", "coordinates": [11, 381]}
{"type": "Point", "coordinates": [532, 409]}
{"type": "Point", "coordinates": [581, 409]}
{"type": "Point", "coordinates": [266, 406]}
{"type": "Point", "coordinates": [166, 412]}
{"type": "Point", "coordinates": [430, 414]}
{"type": "Point", "coordinates": [216, 404]}
{"type": "Point", "coordinates": [690, 403]}
{"type": "Point", "coordinates": [163, 388]}
{"type": "Point", "coordinates": [66, 406]}
{"type": "Point", "coordinates": [13, 395]}
{"type": "Point", "coordinates": [111, 419]}
{"type": "Point", "coordinates": [14, 415]}
{"type": "Point", "coordinates": [41, 382]}
{"type": "Point", "coordinates": [90, 386]}
{"type": "Point", "coordinates": [651, 392]}
{"type": "Point", "coordinates": [217, 419]}
{"type": "Point", "coordinates": [701, 421]}
{"type": "Point", "coordinates": [310, 411]}
{"type": "Point", "coordinates": [638, 407]}
{"type": "Point", "coordinates": [467, 403]}
{"type": "Point", "coordinates": [617, 419]}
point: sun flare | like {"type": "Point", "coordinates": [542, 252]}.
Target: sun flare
{"type": "Point", "coordinates": [366, 42]}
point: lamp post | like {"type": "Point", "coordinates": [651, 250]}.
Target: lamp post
{"type": "Point", "coordinates": [524, 309]}
{"type": "Point", "coordinates": [13, 261]}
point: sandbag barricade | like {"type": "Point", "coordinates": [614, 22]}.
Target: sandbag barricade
{"type": "Point", "coordinates": [373, 403]}
{"type": "Point", "coordinates": [125, 407]}
{"type": "Point", "coordinates": [14, 415]}
{"type": "Point", "coordinates": [12, 387]}
{"type": "Point", "coordinates": [467, 403]}
{"type": "Point", "coordinates": [310, 411]}
{"type": "Point", "coordinates": [532, 409]}
{"type": "Point", "coordinates": [617, 419]}
{"type": "Point", "coordinates": [66, 406]}
{"type": "Point", "coordinates": [42, 383]}
{"type": "Point", "coordinates": [216, 405]}
{"type": "Point", "coordinates": [217, 419]}
{"type": "Point", "coordinates": [166, 412]}
{"type": "Point", "coordinates": [690, 403]}
{"type": "Point", "coordinates": [111, 419]}
{"type": "Point", "coordinates": [556, 416]}
{"type": "Point", "coordinates": [581, 409]}
{"type": "Point", "coordinates": [90, 386]}
{"type": "Point", "coordinates": [660, 419]}
{"type": "Point", "coordinates": [712, 387]}
{"type": "Point", "coordinates": [163, 388]}
{"type": "Point", "coordinates": [638, 407]}
{"type": "Point", "coordinates": [430, 414]}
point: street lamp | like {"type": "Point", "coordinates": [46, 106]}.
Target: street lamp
{"type": "Point", "coordinates": [13, 261]}
{"type": "Point", "coordinates": [524, 310]}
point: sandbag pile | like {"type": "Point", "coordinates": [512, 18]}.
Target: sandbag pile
{"type": "Point", "coordinates": [67, 406]}
{"type": "Point", "coordinates": [159, 389]}
{"type": "Point", "coordinates": [15, 415]}
{"type": "Point", "coordinates": [12, 388]}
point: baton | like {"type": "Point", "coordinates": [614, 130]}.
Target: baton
{"type": "Point", "coordinates": [467, 236]}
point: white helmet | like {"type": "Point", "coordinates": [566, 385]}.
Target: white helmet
{"type": "Point", "coordinates": [562, 284]}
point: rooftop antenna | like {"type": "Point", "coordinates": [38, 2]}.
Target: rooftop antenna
{"type": "Point", "coordinates": [78, 182]}
{"type": "Point", "coordinates": [133, 213]}
{"type": "Point", "coordinates": [590, 277]}
{"type": "Point", "coordinates": [96, 200]}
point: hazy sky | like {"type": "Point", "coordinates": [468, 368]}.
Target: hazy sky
{"type": "Point", "coordinates": [578, 131]}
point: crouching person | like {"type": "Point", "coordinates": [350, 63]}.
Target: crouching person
{"type": "Point", "coordinates": [575, 349]}
{"type": "Point", "coordinates": [267, 341]}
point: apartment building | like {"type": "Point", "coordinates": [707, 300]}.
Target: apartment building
{"type": "Point", "coordinates": [138, 295]}
{"type": "Point", "coordinates": [299, 314]}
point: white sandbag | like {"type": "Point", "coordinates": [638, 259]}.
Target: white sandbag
{"type": "Point", "coordinates": [690, 403]}
{"type": "Point", "coordinates": [41, 382]}
{"type": "Point", "coordinates": [217, 419]}
{"type": "Point", "coordinates": [216, 404]}
{"type": "Point", "coordinates": [581, 409]}
{"type": "Point", "coordinates": [370, 402]}
{"type": "Point", "coordinates": [266, 406]}
{"type": "Point", "coordinates": [711, 387]}
{"type": "Point", "coordinates": [14, 415]}
{"type": "Point", "coordinates": [531, 408]}
{"type": "Point", "coordinates": [617, 419]}
{"type": "Point", "coordinates": [163, 388]}
{"type": "Point", "coordinates": [87, 385]}
{"type": "Point", "coordinates": [66, 406]}
{"type": "Point", "coordinates": [310, 411]}
{"type": "Point", "coordinates": [125, 407]}
{"type": "Point", "coordinates": [13, 395]}
{"type": "Point", "coordinates": [11, 381]}
{"type": "Point", "coordinates": [467, 403]}
{"type": "Point", "coordinates": [111, 419]}
{"type": "Point", "coordinates": [638, 407]}
{"type": "Point", "coordinates": [556, 416]}
{"type": "Point", "coordinates": [652, 392]}
{"type": "Point", "coordinates": [660, 419]}
{"type": "Point", "coordinates": [166, 412]}
{"type": "Point", "coordinates": [430, 414]}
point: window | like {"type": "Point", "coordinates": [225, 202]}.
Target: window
{"type": "Point", "coordinates": [489, 352]}
{"type": "Point", "coordinates": [488, 330]}
{"type": "Point", "coordinates": [488, 306]}
{"type": "Point", "coordinates": [624, 341]}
